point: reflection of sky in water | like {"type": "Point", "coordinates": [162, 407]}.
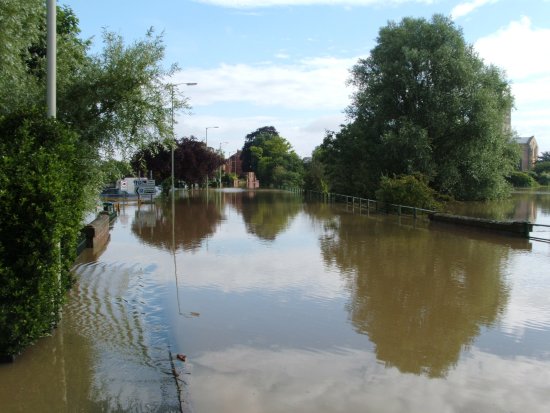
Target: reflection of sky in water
{"type": "Point", "coordinates": [527, 316]}
{"type": "Point", "coordinates": [267, 327]}
{"type": "Point", "coordinates": [245, 379]}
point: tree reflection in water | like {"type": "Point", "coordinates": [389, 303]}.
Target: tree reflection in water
{"type": "Point", "coordinates": [268, 214]}
{"type": "Point", "coordinates": [193, 221]}
{"type": "Point", "coordinates": [421, 296]}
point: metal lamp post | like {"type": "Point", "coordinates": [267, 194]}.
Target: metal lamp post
{"type": "Point", "coordinates": [51, 57]}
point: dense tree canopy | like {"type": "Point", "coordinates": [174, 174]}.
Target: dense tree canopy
{"type": "Point", "coordinates": [425, 103]}
{"type": "Point", "coordinates": [272, 158]}
{"type": "Point", "coordinates": [193, 161]}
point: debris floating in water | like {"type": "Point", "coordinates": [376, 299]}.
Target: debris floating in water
{"type": "Point", "coordinates": [181, 357]}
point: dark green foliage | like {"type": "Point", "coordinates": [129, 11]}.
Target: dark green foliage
{"type": "Point", "coordinates": [522, 180]}
{"type": "Point", "coordinates": [193, 161]}
{"type": "Point", "coordinates": [248, 161]}
{"type": "Point", "coordinates": [41, 204]}
{"type": "Point", "coordinates": [314, 173]}
{"type": "Point", "coordinates": [542, 166]}
{"type": "Point", "coordinates": [351, 165]}
{"type": "Point", "coordinates": [407, 190]}
{"type": "Point", "coordinates": [48, 174]}
{"type": "Point", "coordinates": [544, 178]}
{"type": "Point", "coordinates": [424, 103]}
{"type": "Point", "coordinates": [541, 170]}
{"type": "Point", "coordinates": [272, 158]}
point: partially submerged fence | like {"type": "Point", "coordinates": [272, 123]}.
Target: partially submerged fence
{"type": "Point", "coordinates": [540, 232]}
{"type": "Point", "coordinates": [368, 205]}
{"type": "Point", "coordinates": [522, 229]}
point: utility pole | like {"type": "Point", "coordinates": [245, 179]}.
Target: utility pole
{"type": "Point", "coordinates": [51, 58]}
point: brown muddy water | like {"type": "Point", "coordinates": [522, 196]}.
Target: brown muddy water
{"type": "Point", "coordinates": [286, 305]}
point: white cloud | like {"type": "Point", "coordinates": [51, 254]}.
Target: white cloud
{"type": "Point", "coordinates": [518, 48]}
{"type": "Point", "coordinates": [464, 9]}
{"type": "Point", "coordinates": [282, 55]}
{"type": "Point", "coordinates": [317, 83]}
{"type": "Point", "coordinates": [249, 4]}
{"type": "Point", "coordinates": [303, 132]}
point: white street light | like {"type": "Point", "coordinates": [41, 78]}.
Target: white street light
{"type": "Point", "coordinates": [209, 127]}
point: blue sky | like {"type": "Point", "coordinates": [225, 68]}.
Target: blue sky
{"type": "Point", "coordinates": [284, 63]}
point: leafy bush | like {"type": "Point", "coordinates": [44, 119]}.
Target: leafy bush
{"type": "Point", "coordinates": [41, 208]}
{"type": "Point", "coordinates": [542, 166]}
{"type": "Point", "coordinates": [521, 180]}
{"type": "Point", "coordinates": [409, 190]}
{"type": "Point", "coordinates": [544, 178]}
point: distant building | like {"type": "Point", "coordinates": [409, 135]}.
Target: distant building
{"type": "Point", "coordinates": [234, 165]}
{"type": "Point", "coordinates": [251, 181]}
{"type": "Point", "coordinates": [529, 152]}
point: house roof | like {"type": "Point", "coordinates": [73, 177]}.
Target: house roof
{"type": "Point", "coordinates": [523, 140]}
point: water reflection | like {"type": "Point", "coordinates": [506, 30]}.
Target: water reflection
{"type": "Point", "coordinates": [267, 214]}
{"type": "Point", "coordinates": [320, 311]}
{"type": "Point", "coordinates": [192, 221]}
{"type": "Point", "coordinates": [420, 296]}
{"type": "Point", "coordinates": [531, 205]}
{"type": "Point", "coordinates": [248, 380]}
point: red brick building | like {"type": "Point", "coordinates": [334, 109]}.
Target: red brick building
{"type": "Point", "coordinates": [234, 165]}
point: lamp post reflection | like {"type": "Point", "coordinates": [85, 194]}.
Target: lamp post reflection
{"type": "Point", "coordinates": [172, 144]}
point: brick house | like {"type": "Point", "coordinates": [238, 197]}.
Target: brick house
{"type": "Point", "coordinates": [234, 165]}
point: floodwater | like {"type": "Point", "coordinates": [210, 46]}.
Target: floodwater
{"type": "Point", "coordinates": [281, 305]}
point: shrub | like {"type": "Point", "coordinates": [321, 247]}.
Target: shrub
{"type": "Point", "coordinates": [41, 208]}
{"type": "Point", "coordinates": [521, 180]}
{"type": "Point", "coordinates": [544, 178]}
{"type": "Point", "coordinates": [542, 166]}
{"type": "Point", "coordinates": [409, 190]}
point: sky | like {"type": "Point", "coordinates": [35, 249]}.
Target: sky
{"type": "Point", "coordinates": [285, 63]}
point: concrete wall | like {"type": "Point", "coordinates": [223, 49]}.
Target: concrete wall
{"type": "Point", "coordinates": [97, 232]}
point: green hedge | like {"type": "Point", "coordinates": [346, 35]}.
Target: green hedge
{"type": "Point", "coordinates": [522, 180]}
{"type": "Point", "coordinates": [42, 179]}
{"type": "Point", "coordinates": [408, 190]}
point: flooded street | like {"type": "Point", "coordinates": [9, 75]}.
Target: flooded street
{"type": "Point", "coordinates": [285, 305]}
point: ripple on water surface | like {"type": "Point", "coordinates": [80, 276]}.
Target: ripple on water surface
{"type": "Point", "coordinates": [117, 309]}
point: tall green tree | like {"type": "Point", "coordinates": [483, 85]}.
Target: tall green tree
{"type": "Point", "coordinates": [260, 134]}
{"type": "Point", "coordinates": [426, 103]}
{"type": "Point", "coordinates": [272, 158]}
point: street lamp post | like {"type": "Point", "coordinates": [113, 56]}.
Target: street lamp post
{"type": "Point", "coordinates": [172, 144]}
{"type": "Point", "coordinates": [51, 58]}
{"type": "Point", "coordinates": [206, 135]}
